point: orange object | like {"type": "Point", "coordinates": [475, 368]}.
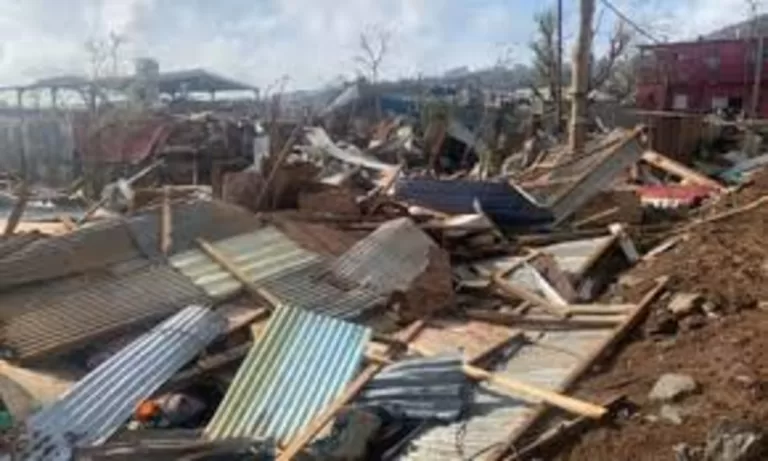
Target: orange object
{"type": "Point", "coordinates": [147, 411]}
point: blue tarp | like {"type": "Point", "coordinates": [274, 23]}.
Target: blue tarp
{"type": "Point", "coordinates": [503, 203]}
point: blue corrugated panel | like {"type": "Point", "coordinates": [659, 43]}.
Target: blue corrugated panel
{"type": "Point", "coordinates": [301, 363]}
{"type": "Point", "coordinates": [502, 202]}
{"type": "Point", "coordinates": [99, 403]}
{"type": "Point", "coordinates": [428, 388]}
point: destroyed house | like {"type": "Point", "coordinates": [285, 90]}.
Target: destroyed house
{"type": "Point", "coordinates": [703, 76]}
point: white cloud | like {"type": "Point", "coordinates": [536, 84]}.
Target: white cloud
{"type": "Point", "coordinates": [311, 41]}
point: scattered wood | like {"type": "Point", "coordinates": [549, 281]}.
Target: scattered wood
{"type": "Point", "coordinates": [726, 214]}
{"type": "Point", "coordinates": [524, 294]}
{"type": "Point", "coordinates": [604, 348]}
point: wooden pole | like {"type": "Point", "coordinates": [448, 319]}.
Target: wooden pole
{"type": "Point", "coordinates": [354, 388]}
{"type": "Point", "coordinates": [166, 222]}
{"type": "Point", "coordinates": [577, 134]}
{"type": "Point", "coordinates": [559, 70]}
{"type": "Point", "coordinates": [18, 210]}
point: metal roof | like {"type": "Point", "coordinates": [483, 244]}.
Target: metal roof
{"type": "Point", "coordinates": [99, 403]}
{"type": "Point", "coordinates": [260, 254]}
{"type": "Point", "coordinates": [271, 260]}
{"type": "Point", "coordinates": [420, 388]}
{"type": "Point", "coordinates": [91, 247]}
{"type": "Point", "coordinates": [301, 363]}
{"type": "Point", "coordinates": [494, 414]}
{"type": "Point", "coordinates": [505, 204]}
{"type": "Point", "coordinates": [210, 220]}
{"type": "Point", "coordinates": [69, 314]}
{"type": "Point", "coordinates": [571, 257]}
{"type": "Point", "coordinates": [390, 258]}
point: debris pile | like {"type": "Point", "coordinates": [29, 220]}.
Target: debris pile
{"type": "Point", "coordinates": [384, 297]}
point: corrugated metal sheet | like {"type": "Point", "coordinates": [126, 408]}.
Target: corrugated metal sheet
{"type": "Point", "coordinates": [71, 314]}
{"type": "Point", "coordinates": [571, 257]}
{"type": "Point", "coordinates": [494, 414]}
{"type": "Point", "coordinates": [420, 388]}
{"type": "Point", "coordinates": [47, 143]}
{"type": "Point", "coordinates": [261, 254]}
{"type": "Point", "coordinates": [390, 258]}
{"type": "Point", "coordinates": [92, 247]}
{"type": "Point", "coordinates": [600, 175]}
{"type": "Point", "coordinates": [301, 363]}
{"type": "Point", "coordinates": [502, 202]}
{"type": "Point", "coordinates": [272, 261]}
{"type": "Point", "coordinates": [99, 403]}
{"type": "Point", "coordinates": [210, 220]}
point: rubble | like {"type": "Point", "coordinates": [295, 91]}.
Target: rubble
{"type": "Point", "coordinates": [377, 289]}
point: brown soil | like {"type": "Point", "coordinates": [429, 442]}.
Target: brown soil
{"type": "Point", "coordinates": [727, 359]}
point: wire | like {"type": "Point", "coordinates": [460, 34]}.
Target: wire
{"type": "Point", "coordinates": [626, 19]}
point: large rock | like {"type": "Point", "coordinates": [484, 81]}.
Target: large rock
{"type": "Point", "coordinates": [672, 386]}
{"type": "Point", "coordinates": [735, 441]}
{"type": "Point", "coordinates": [683, 304]}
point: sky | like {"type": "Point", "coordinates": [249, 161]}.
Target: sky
{"type": "Point", "coordinates": [311, 42]}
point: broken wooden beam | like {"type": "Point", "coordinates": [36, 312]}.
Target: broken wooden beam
{"type": "Point", "coordinates": [166, 223]}
{"type": "Point", "coordinates": [540, 321]}
{"type": "Point", "coordinates": [678, 169]}
{"type": "Point", "coordinates": [521, 389]}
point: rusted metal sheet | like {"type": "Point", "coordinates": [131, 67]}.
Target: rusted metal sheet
{"type": "Point", "coordinates": [299, 365]}
{"type": "Point", "coordinates": [99, 403]}
{"type": "Point", "coordinates": [70, 314]}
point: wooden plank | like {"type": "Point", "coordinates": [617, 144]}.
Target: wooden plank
{"type": "Point", "coordinates": [632, 321]}
{"type": "Point", "coordinates": [539, 321]}
{"type": "Point", "coordinates": [354, 388]}
{"type": "Point", "coordinates": [239, 275]}
{"type": "Point", "coordinates": [528, 391]}
{"type": "Point", "coordinates": [519, 292]}
{"type": "Point", "coordinates": [166, 223]}
{"type": "Point", "coordinates": [67, 221]}
{"type": "Point", "coordinates": [678, 169]}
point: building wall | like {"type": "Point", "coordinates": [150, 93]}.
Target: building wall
{"type": "Point", "coordinates": [700, 76]}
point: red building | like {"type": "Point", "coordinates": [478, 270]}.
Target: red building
{"type": "Point", "coordinates": [703, 76]}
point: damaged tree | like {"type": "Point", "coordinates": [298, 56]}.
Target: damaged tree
{"type": "Point", "coordinates": [374, 45]}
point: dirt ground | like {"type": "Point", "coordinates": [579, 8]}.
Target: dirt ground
{"type": "Point", "coordinates": [726, 357]}
{"type": "Point", "coordinates": [727, 262]}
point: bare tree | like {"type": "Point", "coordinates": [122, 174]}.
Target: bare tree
{"type": "Point", "coordinates": [374, 45]}
{"type": "Point", "coordinates": [544, 49]}
{"type": "Point", "coordinates": [618, 47]}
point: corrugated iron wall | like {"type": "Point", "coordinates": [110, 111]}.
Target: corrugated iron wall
{"type": "Point", "coordinates": [301, 363]}
{"type": "Point", "coordinates": [47, 142]}
{"type": "Point", "coordinates": [99, 403]}
{"type": "Point", "coordinates": [64, 317]}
